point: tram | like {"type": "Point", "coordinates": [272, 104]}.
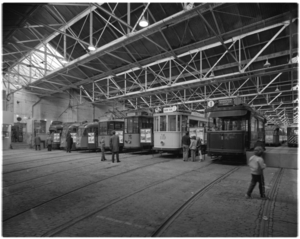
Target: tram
{"type": "Point", "coordinates": [138, 131]}
{"type": "Point", "coordinates": [272, 135]}
{"type": "Point", "coordinates": [105, 131]}
{"type": "Point", "coordinates": [87, 136]}
{"type": "Point", "coordinates": [171, 123]}
{"type": "Point", "coordinates": [292, 136]}
{"type": "Point", "coordinates": [64, 133]}
{"type": "Point", "coordinates": [55, 130]}
{"type": "Point", "coordinates": [282, 135]}
{"type": "Point", "coordinates": [236, 128]}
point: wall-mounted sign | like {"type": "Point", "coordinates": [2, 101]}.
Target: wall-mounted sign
{"type": "Point", "coordinates": [56, 137]}
{"type": "Point", "coordinates": [225, 102]}
{"type": "Point", "coordinates": [120, 133]}
{"type": "Point", "coordinates": [146, 136]}
{"type": "Point", "coordinates": [170, 109]}
{"type": "Point", "coordinates": [210, 103]}
{"type": "Point", "coordinates": [73, 135]}
{"type": "Point", "coordinates": [91, 138]}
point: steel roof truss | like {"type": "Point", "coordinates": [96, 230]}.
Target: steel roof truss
{"type": "Point", "coordinates": [87, 94]}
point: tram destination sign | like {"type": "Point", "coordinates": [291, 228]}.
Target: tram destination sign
{"type": "Point", "coordinates": [225, 102]}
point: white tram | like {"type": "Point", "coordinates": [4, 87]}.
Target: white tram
{"type": "Point", "coordinates": [170, 125]}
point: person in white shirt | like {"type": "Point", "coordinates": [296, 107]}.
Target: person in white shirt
{"type": "Point", "coordinates": [257, 165]}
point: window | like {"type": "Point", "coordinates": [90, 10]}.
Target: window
{"type": "Point", "coordinates": [172, 123]}
{"type": "Point", "coordinates": [103, 128]}
{"type": "Point", "coordinates": [193, 123]}
{"type": "Point", "coordinates": [119, 125]}
{"type": "Point", "coordinates": [130, 125]}
{"type": "Point", "coordinates": [178, 123]}
{"type": "Point", "coordinates": [156, 123]}
{"type": "Point", "coordinates": [163, 123]}
{"type": "Point", "coordinates": [184, 122]}
{"type": "Point", "coordinates": [136, 125]}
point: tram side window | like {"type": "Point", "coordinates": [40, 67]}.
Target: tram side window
{"type": "Point", "coordinates": [193, 123]}
{"type": "Point", "coordinates": [163, 123]}
{"type": "Point", "coordinates": [103, 128]}
{"type": "Point", "coordinates": [178, 122]}
{"type": "Point", "coordinates": [156, 123]}
{"type": "Point", "coordinates": [111, 127]}
{"type": "Point", "coordinates": [184, 123]}
{"type": "Point", "coordinates": [130, 125]}
{"type": "Point", "coordinates": [172, 122]}
{"type": "Point", "coordinates": [119, 125]}
{"type": "Point", "coordinates": [135, 126]}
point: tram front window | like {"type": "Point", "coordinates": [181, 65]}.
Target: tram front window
{"type": "Point", "coordinates": [172, 122]}
{"type": "Point", "coordinates": [227, 124]}
{"type": "Point", "coordinates": [163, 123]}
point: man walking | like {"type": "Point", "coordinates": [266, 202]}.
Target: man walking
{"type": "Point", "coordinates": [114, 146]}
{"type": "Point", "coordinates": [186, 141]}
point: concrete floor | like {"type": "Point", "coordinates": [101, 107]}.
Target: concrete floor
{"type": "Point", "coordinates": [76, 195]}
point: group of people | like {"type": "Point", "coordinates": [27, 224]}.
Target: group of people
{"type": "Point", "coordinates": [114, 147]}
{"type": "Point", "coordinates": [194, 144]}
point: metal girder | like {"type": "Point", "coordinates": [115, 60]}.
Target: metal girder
{"type": "Point", "coordinates": [53, 35]}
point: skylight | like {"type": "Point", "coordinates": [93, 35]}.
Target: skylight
{"type": "Point", "coordinates": [36, 65]}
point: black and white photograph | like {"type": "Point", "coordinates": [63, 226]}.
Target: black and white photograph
{"type": "Point", "coordinates": [150, 119]}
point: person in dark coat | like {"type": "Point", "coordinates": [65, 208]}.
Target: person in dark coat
{"type": "Point", "coordinates": [49, 142]}
{"type": "Point", "coordinates": [186, 141]}
{"type": "Point", "coordinates": [69, 140]}
{"type": "Point", "coordinates": [114, 146]}
{"type": "Point", "coordinates": [37, 142]}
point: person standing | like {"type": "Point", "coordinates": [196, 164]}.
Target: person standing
{"type": "Point", "coordinates": [114, 146]}
{"type": "Point", "coordinates": [186, 141]}
{"type": "Point", "coordinates": [193, 147]}
{"type": "Point", "coordinates": [37, 142]}
{"type": "Point", "coordinates": [69, 140]}
{"type": "Point", "coordinates": [49, 142]}
{"type": "Point", "coordinates": [102, 147]}
{"type": "Point", "coordinates": [257, 165]}
{"type": "Point", "coordinates": [199, 149]}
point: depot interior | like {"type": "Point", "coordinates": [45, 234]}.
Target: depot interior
{"type": "Point", "coordinates": [76, 62]}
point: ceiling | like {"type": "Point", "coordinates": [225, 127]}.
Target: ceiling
{"type": "Point", "coordinates": [189, 54]}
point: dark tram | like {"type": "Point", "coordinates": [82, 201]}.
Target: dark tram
{"type": "Point", "coordinates": [138, 131]}
{"type": "Point", "coordinates": [55, 130]}
{"type": "Point", "coordinates": [87, 136]}
{"type": "Point", "coordinates": [105, 131]}
{"type": "Point", "coordinates": [234, 128]}
{"type": "Point", "coordinates": [272, 135]}
{"type": "Point", "coordinates": [292, 136]}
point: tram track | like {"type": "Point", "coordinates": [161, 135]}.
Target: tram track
{"type": "Point", "coordinates": [164, 226]}
{"type": "Point", "coordinates": [57, 230]}
{"type": "Point", "coordinates": [266, 212]}
{"type": "Point", "coordinates": [47, 164]}
{"type": "Point", "coordinates": [74, 168]}
{"type": "Point", "coordinates": [79, 188]}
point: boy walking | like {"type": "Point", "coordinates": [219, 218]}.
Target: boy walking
{"type": "Point", "coordinates": [257, 165]}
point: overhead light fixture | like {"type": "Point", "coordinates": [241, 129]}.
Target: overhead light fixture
{"type": "Point", "coordinates": [267, 64]}
{"type": "Point", "coordinates": [92, 48]}
{"type": "Point", "coordinates": [143, 22]}
{"type": "Point", "coordinates": [277, 89]}
{"type": "Point", "coordinates": [212, 74]}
